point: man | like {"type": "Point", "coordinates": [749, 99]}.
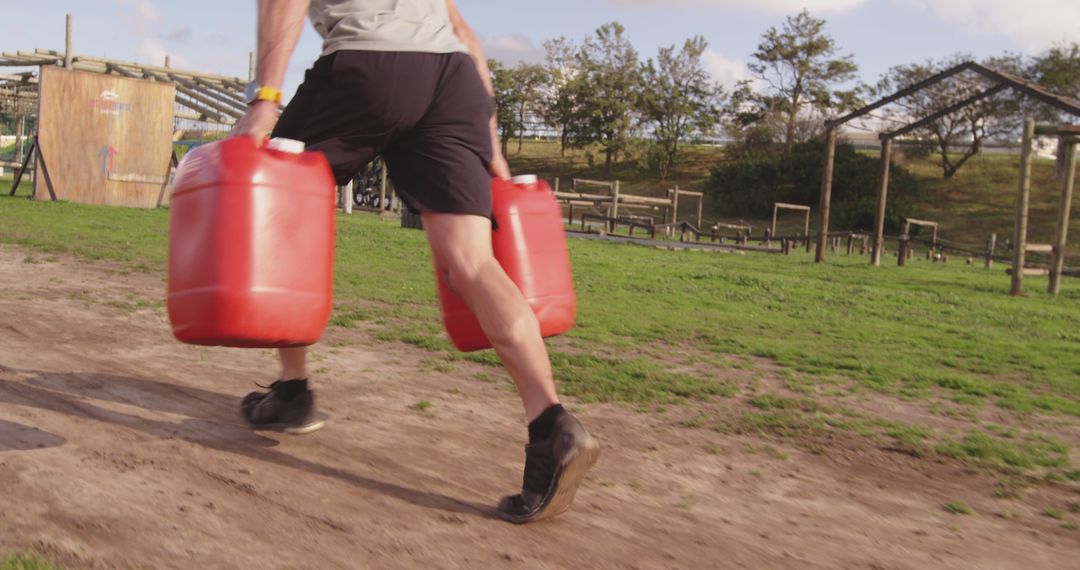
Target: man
{"type": "Point", "coordinates": [406, 79]}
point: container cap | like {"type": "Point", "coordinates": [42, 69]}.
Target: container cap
{"type": "Point", "coordinates": [286, 145]}
{"type": "Point", "coordinates": [524, 179]}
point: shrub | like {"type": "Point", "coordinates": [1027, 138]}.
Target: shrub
{"type": "Point", "coordinates": [749, 186]}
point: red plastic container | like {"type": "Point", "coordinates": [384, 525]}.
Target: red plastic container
{"type": "Point", "coordinates": [530, 244]}
{"type": "Point", "coordinates": [251, 245]}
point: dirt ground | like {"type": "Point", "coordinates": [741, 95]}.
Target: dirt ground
{"type": "Point", "coordinates": [122, 448]}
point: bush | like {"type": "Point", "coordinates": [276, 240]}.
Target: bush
{"type": "Point", "coordinates": [750, 186]}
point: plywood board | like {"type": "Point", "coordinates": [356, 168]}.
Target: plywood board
{"type": "Point", "coordinates": [105, 139]}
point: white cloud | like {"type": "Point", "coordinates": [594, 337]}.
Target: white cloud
{"type": "Point", "coordinates": [1031, 24]}
{"type": "Point", "coordinates": [776, 6]}
{"type": "Point", "coordinates": [725, 71]}
{"type": "Point", "coordinates": [512, 49]}
{"type": "Point", "coordinates": [151, 51]}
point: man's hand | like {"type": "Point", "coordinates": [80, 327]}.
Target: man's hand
{"type": "Point", "coordinates": [257, 122]}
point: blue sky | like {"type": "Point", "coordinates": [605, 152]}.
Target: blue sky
{"type": "Point", "coordinates": [215, 36]}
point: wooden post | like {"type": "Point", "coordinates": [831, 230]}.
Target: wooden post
{"type": "Point", "coordinates": [556, 183]}
{"type": "Point", "coordinates": [1062, 234]}
{"type": "Point", "coordinates": [68, 54]}
{"type": "Point", "coordinates": [768, 237]}
{"type": "Point", "coordinates": [1023, 195]}
{"type": "Point", "coordinates": [882, 201]}
{"type": "Point", "coordinates": [675, 208]}
{"type": "Point", "coordinates": [991, 245]}
{"type": "Point", "coordinates": [614, 203]}
{"type": "Point", "coordinates": [850, 244]}
{"type": "Point", "coordinates": [347, 192]}
{"type": "Point", "coordinates": [806, 222]}
{"type": "Point", "coordinates": [251, 66]}
{"type": "Point", "coordinates": [775, 211]}
{"type": "Point", "coordinates": [700, 209]}
{"type": "Point", "coordinates": [902, 255]}
{"type": "Point", "coordinates": [20, 125]}
{"type": "Point", "coordinates": [826, 193]}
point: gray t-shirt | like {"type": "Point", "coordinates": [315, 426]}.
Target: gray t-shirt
{"type": "Point", "coordinates": [385, 25]}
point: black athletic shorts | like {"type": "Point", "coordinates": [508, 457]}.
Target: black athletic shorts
{"type": "Point", "coordinates": [428, 115]}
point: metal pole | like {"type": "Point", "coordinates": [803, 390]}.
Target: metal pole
{"type": "Point", "coordinates": [826, 193]}
{"type": "Point", "coordinates": [1062, 234]}
{"type": "Point", "coordinates": [68, 54]}
{"type": "Point", "coordinates": [882, 201]}
{"type": "Point", "coordinates": [1022, 197]}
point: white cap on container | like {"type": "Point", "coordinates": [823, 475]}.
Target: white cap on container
{"type": "Point", "coordinates": [286, 145]}
{"type": "Point", "coordinates": [524, 179]}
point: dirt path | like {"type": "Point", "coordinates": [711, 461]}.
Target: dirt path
{"type": "Point", "coordinates": [120, 447]}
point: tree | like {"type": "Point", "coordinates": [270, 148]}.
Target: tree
{"type": "Point", "coordinates": [606, 93]}
{"type": "Point", "coordinates": [507, 96]}
{"type": "Point", "coordinates": [966, 129]}
{"type": "Point", "coordinates": [529, 80]}
{"type": "Point", "coordinates": [679, 99]}
{"type": "Point", "coordinates": [558, 106]}
{"type": "Point", "coordinates": [1059, 69]}
{"type": "Point", "coordinates": [799, 64]}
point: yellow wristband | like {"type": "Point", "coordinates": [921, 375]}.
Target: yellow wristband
{"type": "Point", "coordinates": [268, 94]}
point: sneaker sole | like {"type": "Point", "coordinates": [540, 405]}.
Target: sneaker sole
{"type": "Point", "coordinates": [291, 429]}
{"type": "Point", "coordinates": [568, 478]}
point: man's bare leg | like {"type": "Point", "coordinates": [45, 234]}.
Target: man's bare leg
{"type": "Point", "coordinates": [462, 249]}
{"type": "Point", "coordinates": [293, 363]}
{"type": "Point", "coordinates": [560, 449]}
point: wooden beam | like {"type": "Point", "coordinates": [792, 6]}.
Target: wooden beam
{"type": "Point", "coordinates": [882, 202]}
{"type": "Point", "coordinates": [945, 112]}
{"type": "Point", "coordinates": [1061, 235]}
{"type": "Point", "coordinates": [1057, 130]}
{"type": "Point", "coordinates": [1023, 196]}
{"type": "Point", "coordinates": [899, 95]}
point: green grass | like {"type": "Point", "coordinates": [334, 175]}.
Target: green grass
{"type": "Point", "coordinates": [25, 562]}
{"type": "Point", "coordinates": [959, 508]}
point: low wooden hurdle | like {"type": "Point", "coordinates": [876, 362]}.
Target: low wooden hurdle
{"type": "Point", "coordinates": [607, 200]}
{"type": "Point", "coordinates": [1069, 137]}
{"type": "Point", "coordinates": [792, 207]}
{"type": "Point", "coordinates": [905, 250]}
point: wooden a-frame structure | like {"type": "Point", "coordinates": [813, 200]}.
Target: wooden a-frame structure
{"type": "Point", "coordinates": [999, 82]}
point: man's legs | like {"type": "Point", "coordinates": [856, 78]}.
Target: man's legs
{"type": "Point", "coordinates": [462, 249]}
{"type": "Point", "coordinates": [560, 449]}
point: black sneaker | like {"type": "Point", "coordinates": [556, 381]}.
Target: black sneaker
{"type": "Point", "coordinates": [271, 411]}
{"type": "Point", "coordinates": [554, 468]}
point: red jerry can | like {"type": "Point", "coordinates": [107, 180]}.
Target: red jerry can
{"type": "Point", "coordinates": [530, 244]}
{"type": "Point", "coordinates": [251, 245]}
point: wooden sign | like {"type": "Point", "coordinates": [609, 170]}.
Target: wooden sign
{"type": "Point", "coordinates": [105, 139]}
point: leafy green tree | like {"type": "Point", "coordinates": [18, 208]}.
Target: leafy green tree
{"type": "Point", "coordinates": [529, 82]}
{"type": "Point", "coordinates": [1059, 69]}
{"type": "Point", "coordinates": [800, 66]}
{"type": "Point", "coordinates": [507, 101]}
{"type": "Point", "coordinates": [606, 93]}
{"type": "Point", "coordinates": [558, 105]}
{"type": "Point", "coordinates": [679, 99]}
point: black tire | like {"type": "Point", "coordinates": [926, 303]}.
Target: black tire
{"type": "Point", "coordinates": [411, 221]}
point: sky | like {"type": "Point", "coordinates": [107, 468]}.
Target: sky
{"type": "Point", "coordinates": [216, 36]}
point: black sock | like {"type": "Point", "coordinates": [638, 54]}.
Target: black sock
{"type": "Point", "coordinates": [289, 389]}
{"type": "Point", "coordinates": [540, 428]}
